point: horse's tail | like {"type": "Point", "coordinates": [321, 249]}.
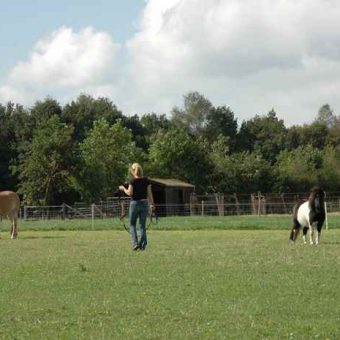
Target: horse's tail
{"type": "Point", "coordinates": [296, 225]}
{"type": "Point", "coordinates": [296, 209]}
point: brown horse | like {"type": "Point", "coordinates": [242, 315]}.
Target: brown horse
{"type": "Point", "coordinates": [9, 206]}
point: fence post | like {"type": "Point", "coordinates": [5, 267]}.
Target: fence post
{"type": "Point", "coordinates": [259, 203]}
{"type": "Point", "coordinates": [92, 214]}
{"type": "Point", "coordinates": [202, 204]}
{"type": "Point", "coordinates": [63, 211]}
{"type": "Point", "coordinates": [253, 204]}
{"type": "Point", "coordinates": [237, 203]}
{"type": "Point", "coordinates": [326, 215]}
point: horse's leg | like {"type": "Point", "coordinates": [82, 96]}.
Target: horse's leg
{"type": "Point", "coordinates": [294, 233]}
{"type": "Point", "coordinates": [9, 216]}
{"type": "Point", "coordinates": [295, 230]}
{"type": "Point", "coordinates": [12, 218]}
{"type": "Point", "coordinates": [305, 229]}
{"type": "Point", "coordinates": [318, 234]}
{"type": "Point", "coordinates": [311, 233]}
{"type": "Point", "coordinates": [15, 226]}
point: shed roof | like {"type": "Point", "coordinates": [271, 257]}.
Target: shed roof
{"type": "Point", "coordinates": [170, 182]}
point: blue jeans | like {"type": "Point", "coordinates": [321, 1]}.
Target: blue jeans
{"type": "Point", "coordinates": [138, 209]}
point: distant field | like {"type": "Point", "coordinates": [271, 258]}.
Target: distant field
{"type": "Point", "coordinates": [203, 284]}
{"type": "Point", "coordinates": [245, 222]}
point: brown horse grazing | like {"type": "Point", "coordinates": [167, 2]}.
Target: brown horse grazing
{"type": "Point", "coordinates": [9, 206]}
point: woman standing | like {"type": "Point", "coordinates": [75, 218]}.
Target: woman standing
{"type": "Point", "coordinates": [140, 192]}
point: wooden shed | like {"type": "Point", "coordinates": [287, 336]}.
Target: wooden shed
{"type": "Point", "coordinates": [172, 196]}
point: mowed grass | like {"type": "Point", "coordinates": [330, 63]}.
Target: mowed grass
{"type": "Point", "coordinates": [203, 284]}
{"type": "Point", "coordinates": [243, 222]}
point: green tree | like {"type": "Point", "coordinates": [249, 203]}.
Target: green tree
{"type": "Point", "coordinates": [152, 123]}
{"type": "Point", "coordinates": [6, 152]}
{"type": "Point", "coordinates": [15, 131]}
{"type": "Point", "coordinates": [263, 134]}
{"type": "Point", "coordinates": [329, 174]}
{"type": "Point", "coordinates": [326, 116]}
{"type": "Point", "coordinates": [224, 172]}
{"type": "Point", "coordinates": [133, 123]}
{"type": "Point", "coordinates": [106, 153]}
{"type": "Point", "coordinates": [299, 169]}
{"type": "Point", "coordinates": [85, 110]}
{"type": "Point", "coordinates": [334, 134]}
{"type": "Point", "coordinates": [43, 110]}
{"type": "Point", "coordinates": [193, 116]}
{"type": "Point", "coordinates": [315, 134]}
{"type": "Point", "coordinates": [294, 137]}
{"type": "Point", "coordinates": [43, 171]}
{"type": "Point", "coordinates": [176, 154]}
{"type": "Point", "coordinates": [239, 172]}
{"type": "Point", "coordinates": [221, 121]}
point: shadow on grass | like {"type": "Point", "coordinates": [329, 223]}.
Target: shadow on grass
{"type": "Point", "coordinates": [330, 242]}
{"type": "Point", "coordinates": [39, 237]}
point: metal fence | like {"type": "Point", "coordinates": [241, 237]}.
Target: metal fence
{"type": "Point", "coordinates": [207, 205]}
{"type": "Point", "coordinates": [254, 204]}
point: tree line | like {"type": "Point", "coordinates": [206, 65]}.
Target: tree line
{"type": "Point", "coordinates": [52, 154]}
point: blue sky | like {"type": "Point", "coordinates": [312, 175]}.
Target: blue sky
{"type": "Point", "coordinates": [23, 22]}
{"type": "Point", "coordinates": [146, 55]}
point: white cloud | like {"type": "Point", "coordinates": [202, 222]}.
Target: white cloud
{"type": "Point", "coordinates": [251, 55]}
{"type": "Point", "coordinates": [65, 61]}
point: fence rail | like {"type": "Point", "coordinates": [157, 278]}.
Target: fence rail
{"type": "Point", "coordinates": [208, 205]}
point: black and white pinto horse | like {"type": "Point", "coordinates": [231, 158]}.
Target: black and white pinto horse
{"type": "Point", "coordinates": [309, 214]}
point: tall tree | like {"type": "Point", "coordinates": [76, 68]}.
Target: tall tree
{"type": "Point", "coordinates": [221, 121]}
{"type": "Point", "coordinates": [239, 172]}
{"type": "Point", "coordinates": [15, 131]}
{"type": "Point", "coordinates": [6, 153]}
{"type": "Point", "coordinates": [329, 173]}
{"type": "Point", "coordinates": [106, 153]}
{"type": "Point", "coordinates": [334, 134]}
{"type": "Point", "coordinates": [152, 123]}
{"type": "Point", "coordinates": [264, 135]}
{"type": "Point", "coordinates": [299, 169]}
{"type": "Point", "coordinates": [176, 154]}
{"type": "Point", "coordinates": [133, 123]}
{"type": "Point", "coordinates": [85, 110]}
{"type": "Point", "coordinates": [44, 171]}
{"type": "Point", "coordinates": [193, 116]}
{"type": "Point", "coordinates": [43, 110]}
{"type": "Point", "coordinates": [326, 116]}
{"type": "Point", "coordinates": [315, 134]}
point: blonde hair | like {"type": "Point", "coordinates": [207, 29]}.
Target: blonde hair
{"type": "Point", "coordinates": [136, 170]}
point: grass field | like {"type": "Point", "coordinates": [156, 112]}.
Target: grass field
{"type": "Point", "coordinates": [243, 222]}
{"type": "Point", "coordinates": [202, 284]}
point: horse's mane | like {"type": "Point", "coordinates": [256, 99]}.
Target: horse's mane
{"type": "Point", "coordinates": [316, 193]}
